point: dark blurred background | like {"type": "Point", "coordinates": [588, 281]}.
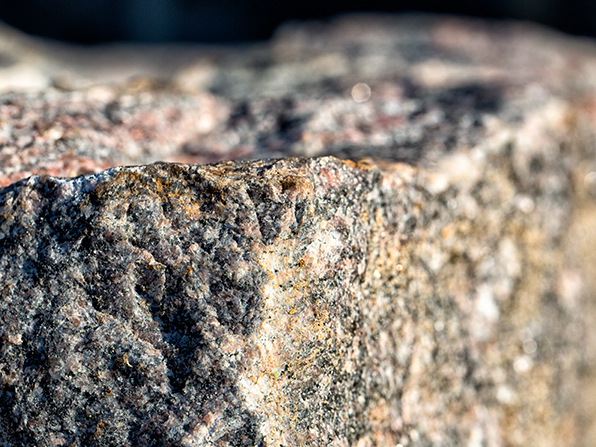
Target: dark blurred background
{"type": "Point", "coordinates": [96, 21]}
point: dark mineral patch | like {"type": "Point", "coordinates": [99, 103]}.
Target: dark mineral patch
{"type": "Point", "coordinates": [124, 320]}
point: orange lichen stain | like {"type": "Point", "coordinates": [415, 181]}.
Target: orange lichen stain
{"type": "Point", "coordinates": [192, 209]}
{"type": "Point", "coordinates": [295, 187]}
{"type": "Point", "coordinates": [362, 165]}
{"type": "Point", "coordinates": [446, 231]}
{"type": "Point", "coordinates": [98, 429]}
{"type": "Point", "coordinates": [379, 217]}
{"type": "Point", "coordinates": [364, 215]}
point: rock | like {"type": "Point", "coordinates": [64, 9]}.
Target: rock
{"type": "Point", "coordinates": [425, 278]}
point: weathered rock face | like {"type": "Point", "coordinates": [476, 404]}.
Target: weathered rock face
{"type": "Point", "coordinates": [438, 293]}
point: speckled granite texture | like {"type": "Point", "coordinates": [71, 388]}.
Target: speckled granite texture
{"type": "Point", "coordinates": [401, 254]}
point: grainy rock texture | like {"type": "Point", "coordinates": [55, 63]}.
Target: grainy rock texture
{"type": "Point", "coordinates": [427, 278]}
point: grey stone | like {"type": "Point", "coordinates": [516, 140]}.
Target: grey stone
{"type": "Point", "coordinates": [425, 278]}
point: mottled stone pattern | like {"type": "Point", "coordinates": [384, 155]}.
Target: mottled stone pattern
{"type": "Point", "coordinates": [74, 133]}
{"type": "Point", "coordinates": [433, 83]}
{"type": "Point", "coordinates": [289, 302]}
{"type": "Point", "coordinates": [433, 288]}
{"type": "Point", "coordinates": [149, 299]}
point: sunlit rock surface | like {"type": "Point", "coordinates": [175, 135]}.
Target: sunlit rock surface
{"type": "Point", "coordinates": [407, 260]}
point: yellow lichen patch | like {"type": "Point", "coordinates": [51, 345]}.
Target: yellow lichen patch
{"type": "Point", "coordinates": [298, 331]}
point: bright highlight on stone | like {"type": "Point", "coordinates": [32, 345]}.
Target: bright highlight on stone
{"type": "Point", "coordinates": [361, 92]}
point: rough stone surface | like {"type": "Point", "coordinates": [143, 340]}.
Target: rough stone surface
{"type": "Point", "coordinates": [433, 288]}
